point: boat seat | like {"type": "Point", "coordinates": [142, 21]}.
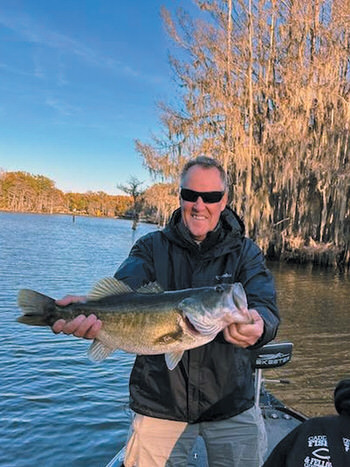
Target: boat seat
{"type": "Point", "coordinates": [273, 355]}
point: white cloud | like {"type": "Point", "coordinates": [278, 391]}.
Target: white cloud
{"type": "Point", "coordinates": [36, 33]}
{"type": "Point", "coordinates": [17, 71]}
{"type": "Point", "coordinates": [61, 107]}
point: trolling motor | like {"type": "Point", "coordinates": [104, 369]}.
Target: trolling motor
{"type": "Point", "coordinates": [271, 355]}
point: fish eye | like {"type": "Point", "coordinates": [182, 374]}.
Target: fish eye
{"type": "Point", "coordinates": [219, 289]}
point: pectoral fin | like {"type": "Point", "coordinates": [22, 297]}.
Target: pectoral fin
{"type": "Point", "coordinates": [173, 358]}
{"type": "Point", "coordinates": [99, 351]}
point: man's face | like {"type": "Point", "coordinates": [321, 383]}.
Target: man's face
{"type": "Point", "coordinates": [199, 217]}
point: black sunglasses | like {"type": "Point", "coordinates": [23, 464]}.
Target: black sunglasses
{"type": "Point", "coordinates": [207, 196]}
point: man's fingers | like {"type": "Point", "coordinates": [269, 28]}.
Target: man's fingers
{"type": "Point", "coordinates": [234, 337]}
{"type": "Point", "coordinates": [58, 326]}
{"type": "Point", "coordinates": [70, 327]}
{"type": "Point", "coordinates": [81, 326]}
{"type": "Point", "coordinates": [87, 327]}
{"type": "Point", "coordinates": [71, 299]}
{"type": "Point", "coordinates": [94, 330]}
{"type": "Point", "coordinates": [245, 335]}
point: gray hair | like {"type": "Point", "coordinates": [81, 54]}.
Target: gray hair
{"type": "Point", "coordinates": [207, 163]}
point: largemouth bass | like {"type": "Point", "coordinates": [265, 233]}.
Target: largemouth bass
{"type": "Point", "coordinates": [146, 321]}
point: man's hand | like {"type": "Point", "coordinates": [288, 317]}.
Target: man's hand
{"type": "Point", "coordinates": [245, 335]}
{"type": "Point", "coordinates": [81, 326]}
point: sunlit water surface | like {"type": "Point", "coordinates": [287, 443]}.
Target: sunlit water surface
{"type": "Point", "coordinates": [58, 409]}
{"type": "Point", "coordinates": [315, 307]}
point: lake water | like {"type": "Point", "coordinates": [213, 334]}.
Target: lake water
{"type": "Point", "coordinates": [58, 409]}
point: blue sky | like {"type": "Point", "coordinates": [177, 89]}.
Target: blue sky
{"type": "Point", "coordinates": [79, 82]}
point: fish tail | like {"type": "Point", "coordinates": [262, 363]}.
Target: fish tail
{"type": "Point", "coordinates": [34, 306]}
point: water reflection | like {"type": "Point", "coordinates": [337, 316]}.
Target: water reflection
{"type": "Point", "coordinates": [314, 305]}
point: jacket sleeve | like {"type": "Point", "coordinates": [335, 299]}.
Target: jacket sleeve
{"type": "Point", "coordinates": [138, 269]}
{"type": "Point", "coordinates": [260, 289]}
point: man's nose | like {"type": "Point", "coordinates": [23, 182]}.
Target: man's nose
{"type": "Point", "coordinates": [199, 203]}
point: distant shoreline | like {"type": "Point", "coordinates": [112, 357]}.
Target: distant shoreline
{"type": "Point", "coordinates": [322, 255]}
{"type": "Point", "coordinates": [72, 214]}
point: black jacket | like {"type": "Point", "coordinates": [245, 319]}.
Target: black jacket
{"type": "Point", "coordinates": [213, 381]}
{"type": "Point", "coordinates": [320, 441]}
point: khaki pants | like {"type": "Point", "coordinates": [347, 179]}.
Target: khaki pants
{"type": "Point", "coordinates": [239, 441]}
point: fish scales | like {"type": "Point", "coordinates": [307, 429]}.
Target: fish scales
{"type": "Point", "coordinates": [133, 316]}
{"type": "Point", "coordinates": [147, 321]}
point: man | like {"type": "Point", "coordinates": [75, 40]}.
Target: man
{"type": "Point", "coordinates": [320, 441]}
{"type": "Point", "coordinates": [211, 391]}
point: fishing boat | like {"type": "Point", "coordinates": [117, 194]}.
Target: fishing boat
{"type": "Point", "coordinates": [279, 419]}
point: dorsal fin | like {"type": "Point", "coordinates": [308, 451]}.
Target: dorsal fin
{"type": "Point", "coordinates": [151, 287]}
{"type": "Point", "coordinates": [107, 287]}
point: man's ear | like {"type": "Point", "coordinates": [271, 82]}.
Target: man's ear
{"type": "Point", "coordinates": [224, 201]}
